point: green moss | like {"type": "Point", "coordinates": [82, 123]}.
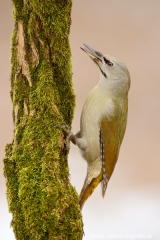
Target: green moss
{"type": "Point", "coordinates": [41, 199]}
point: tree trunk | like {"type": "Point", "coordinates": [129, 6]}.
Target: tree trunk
{"type": "Point", "coordinates": [41, 199]}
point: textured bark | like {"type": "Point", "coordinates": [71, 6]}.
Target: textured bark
{"type": "Point", "coordinates": [41, 199]}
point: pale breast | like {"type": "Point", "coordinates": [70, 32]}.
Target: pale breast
{"type": "Point", "coordinates": [97, 104]}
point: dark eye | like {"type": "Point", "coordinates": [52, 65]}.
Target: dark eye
{"type": "Point", "coordinates": [110, 64]}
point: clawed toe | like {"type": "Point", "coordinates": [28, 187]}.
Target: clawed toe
{"type": "Point", "coordinates": [70, 135]}
{"type": "Point", "coordinates": [64, 127]}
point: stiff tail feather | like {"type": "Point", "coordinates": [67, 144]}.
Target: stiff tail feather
{"type": "Point", "coordinates": [88, 189]}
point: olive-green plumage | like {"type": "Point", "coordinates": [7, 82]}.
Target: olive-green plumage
{"type": "Point", "coordinates": [41, 199]}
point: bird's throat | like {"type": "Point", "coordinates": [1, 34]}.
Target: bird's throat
{"type": "Point", "coordinates": [104, 74]}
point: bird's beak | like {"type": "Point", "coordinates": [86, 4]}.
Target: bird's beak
{"type": "Point", "coordinates": [95, 55]}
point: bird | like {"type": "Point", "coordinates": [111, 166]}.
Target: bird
{"type": "Point", "coordinates": [102, 123]}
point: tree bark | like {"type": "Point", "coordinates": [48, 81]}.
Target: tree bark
{"type": "Point", "coordinates": [41, 199]}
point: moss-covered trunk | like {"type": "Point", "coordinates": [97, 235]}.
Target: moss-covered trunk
{"type": "Point", "coordinates": [41, 199]}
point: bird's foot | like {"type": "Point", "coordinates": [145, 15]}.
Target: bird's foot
{"type": "Point", "coordinates": [70, 135]}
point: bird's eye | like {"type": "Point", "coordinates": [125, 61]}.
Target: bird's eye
{"type": "Point", "coordinates": [110, 64]}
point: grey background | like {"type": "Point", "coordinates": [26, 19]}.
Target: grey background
{"type": "Point", "coordinates": [130, 31]}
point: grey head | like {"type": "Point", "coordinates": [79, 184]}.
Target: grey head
{"type": "Point", "coordinates": [112, 69]}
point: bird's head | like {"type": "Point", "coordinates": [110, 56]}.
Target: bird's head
{"type": "Point", "coordinates": [112, 70]}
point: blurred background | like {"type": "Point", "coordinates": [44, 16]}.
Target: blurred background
{"type": "Point", "coordinates": [130, 31]}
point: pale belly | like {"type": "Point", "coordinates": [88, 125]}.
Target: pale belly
{"type": "Point", "coordinates": [90, 128]}
{"type": "Point", "coordinates": [91, 139]}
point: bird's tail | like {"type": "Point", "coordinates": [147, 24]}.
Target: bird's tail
{"type": "Point", "coordinates": [88, 188]}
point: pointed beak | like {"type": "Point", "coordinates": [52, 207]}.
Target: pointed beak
{"type": "Point", "coordinates": [95, 55]}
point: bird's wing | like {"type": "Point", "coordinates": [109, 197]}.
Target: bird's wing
{"type": "Point", "coordinates": [111, 135]}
